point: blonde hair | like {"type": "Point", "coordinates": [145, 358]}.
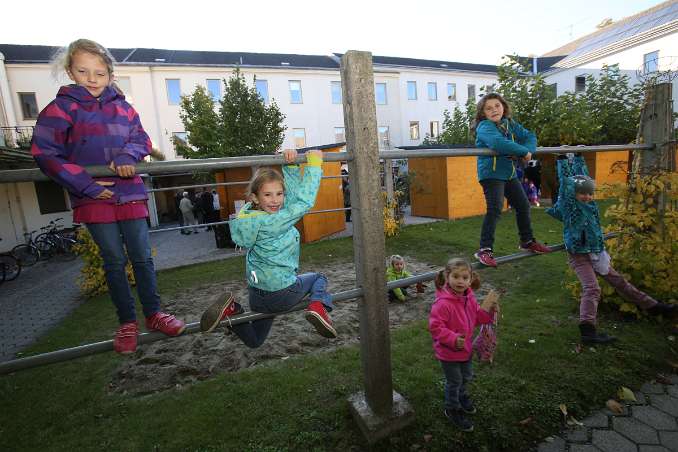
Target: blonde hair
{"type": "Point", "coordinates": [453, 264]}
{"type": "Point", "coordinates": [396, 258]}
{"type": "Point", "coordinates": [261, 177]}
{"type": "Point", "coordinates": [63, 58]}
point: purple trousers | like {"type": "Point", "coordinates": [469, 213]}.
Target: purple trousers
{"type": "Point", "coordinates": [590, 296]}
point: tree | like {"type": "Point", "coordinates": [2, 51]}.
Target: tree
{"type": "Point", "coordinates": [244, 124]}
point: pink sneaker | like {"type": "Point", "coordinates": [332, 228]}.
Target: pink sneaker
{"type": "Point", "coordinates": [218, 311]}
{"type": "Point", "coordinates": [317, 316]}
{"type": "Point", "coordinates": [535, 247]}
{"type": "Point", "coordinates": [485, 257]}
{"type": "Point", "coordinates": [125, 341]}
{"type": "Point", "coordinates": [165, 323]}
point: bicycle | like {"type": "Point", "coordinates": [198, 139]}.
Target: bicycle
{"type": "Point", "coordinates": [11, 267]}
{"type": "Point", "coordinates": [57, 242]}
{"type": "Point", "coordinates": [28, 253]}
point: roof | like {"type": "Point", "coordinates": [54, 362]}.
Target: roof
{"type": "Point", "coordinates": [16, 53]}
{"type": "Point", "coordinates": [628, 27]}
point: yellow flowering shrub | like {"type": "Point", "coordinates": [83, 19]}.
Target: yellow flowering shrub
{"type": "Point", "coordinates": [392, 222]}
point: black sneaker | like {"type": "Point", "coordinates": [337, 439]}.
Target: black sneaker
{"type": "Point", "coordinates": [590, 336]}
{"type": "Point", "coordinates": [459, 419]}
{"type": "Point", "coordinates": [467, 405]}
{"type": "Point", "coordinates": [665, 309]}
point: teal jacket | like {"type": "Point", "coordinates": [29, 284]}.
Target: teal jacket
{"type": "Point", "coordinates": [393, 275]}
{"type": "Point", "coordinates": [581, 221]}
{"type": "Point", "coordinates": [509, 140]}
{"type": "Point", "coordinates": [271, 240]}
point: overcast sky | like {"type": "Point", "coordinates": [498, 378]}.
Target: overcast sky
{"type": "Point", "coordinates": [464, 31]}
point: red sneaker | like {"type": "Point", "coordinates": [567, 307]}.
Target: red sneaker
{"type": "Point", "coordinates": [165, 323]}
{"type": "Point", "coordinates": [535, 247]}
{"type": "Point", "coordinates": [485, 257]}
{"type": "Point", "coordinates": [218, 311]}
{"type": "Point", "coordinates": [421, 287]}
{"type": "Point", "coordinates": [125, 341]}
{"type": "Point", "coordinates": [317, 316]}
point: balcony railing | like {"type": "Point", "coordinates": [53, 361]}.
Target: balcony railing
{"type": "Point", "coordinates": [18, 137]}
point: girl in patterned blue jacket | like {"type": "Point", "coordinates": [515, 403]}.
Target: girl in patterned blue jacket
{"type": "Point", "coordinates": [265, 226]}
{"type": "Point", "coordinates": [496, 130]}
{"type": "Point", "coordinates": [586, 251]}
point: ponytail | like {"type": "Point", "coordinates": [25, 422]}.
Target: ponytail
{"type": "Point", "coordinates": [440, 279]}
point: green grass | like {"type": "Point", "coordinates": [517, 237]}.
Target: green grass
{"type": "Point", "coordinates": [300, 403]}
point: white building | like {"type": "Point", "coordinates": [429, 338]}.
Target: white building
{"type": "Point", "coordinates": [638, 44]}
{"type": "Point", "coordinates": [411, 96]}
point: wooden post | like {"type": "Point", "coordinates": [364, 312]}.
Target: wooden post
{"type": "Point", "coordinates": [378, 410]}
{"type": "Point", "coordinates": [657, 128]}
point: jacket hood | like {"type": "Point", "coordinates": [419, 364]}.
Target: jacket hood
{"type": "Point", "coordinates": [81, 95]}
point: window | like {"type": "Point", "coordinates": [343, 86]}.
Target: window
{"type": "Point", "coordinates": [336, 92]}
{"type": "Point", "coordinates": [452, 91]}
{"type": "Point", "coordinates": [380, 93]}
{"type": "Point", "coordinates": [173, 91]}
{"type": "Point", "coordinates": [650, 63]}
{"type": "Point", "coordinates": [214, 88]}
{"type": "Point", "coordinates": [51, 197]}
{"type": "Point", "coordinates": [432, 89]}
{"type": "Point", "coordinates": [299, 137]}
{"type": "Point", "coordinates": [487, 89]}
{"type": "Point", "coordinates": [579, 83]}
{"type": "Point", "coordinates": [295, 92]}
{"type": "Point", "coordinates": [384, 137]}
{"type": "Point", "coordinates": [29, 106]}
{"type": "Point", "coordinates": [262, 89]}
{"type": "Point", "coordinates": [411, 90]}
{"type": "Point", "coordinates": [339, 135]}
{"type": "Point", "coordinates": [414, 130]}
{"type": "Point", "coordinates": [125, 86]}
{"type": "Point", "coordinates": [434, 129]}
{"type": "Point", "coordinates": [471, 92]}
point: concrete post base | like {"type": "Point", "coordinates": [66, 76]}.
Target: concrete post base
{"type": "Point", "coordinates": [376, 427]}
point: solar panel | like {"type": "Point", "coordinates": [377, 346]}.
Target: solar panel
{"type": "Point", "coordinates": [627, 29]}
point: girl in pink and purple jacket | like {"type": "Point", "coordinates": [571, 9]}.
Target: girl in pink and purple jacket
{"type": "Point", "coordinates": [90, 123]}
{"type": "Point", "coordinates": [454, 316]}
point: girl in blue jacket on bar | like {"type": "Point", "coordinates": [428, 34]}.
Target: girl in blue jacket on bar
{"type": "Point", "coordinates": [265, 226]}
{"type": "Point", "coordinates": [495, 129]}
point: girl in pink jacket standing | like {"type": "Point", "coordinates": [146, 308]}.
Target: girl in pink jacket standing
{"type": "Point", "coordinates": [454, 316]}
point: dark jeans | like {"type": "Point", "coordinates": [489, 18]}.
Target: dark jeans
{"type": "Point", "coordinates": [110, 238]}
{"type": "Point", "coordinates": [253, 334]}
{"type": "Point", "coordinates": [457, 375]}
{"type": "Point", "coordinates": [495, 191]}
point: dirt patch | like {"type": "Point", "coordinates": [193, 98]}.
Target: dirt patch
{"type": "Point", "coordinates": [174, 363]}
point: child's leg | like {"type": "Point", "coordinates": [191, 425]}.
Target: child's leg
{"type": "Point", "coordinates": [316, 285]}
{"type": "Point", "coordinates": [466, 369]}
{"type": "Point", "coordinates": [253, 334]}
{"type": "Point", "coordinates": [135, 235]}
{"type": "Point", "coordinates": [516, 197]}
{"type": "Point", "coordinates": [453, 384]}
{"type": "Point", "coordinates": [108, 238]}
{"type": "Point", "coordinates": [590, 296]}
{"type": "Point", "coordinates": [628, 291]}
{"type": "Point", "coordinates": [494, 199]}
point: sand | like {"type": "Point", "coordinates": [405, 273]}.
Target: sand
{"type": "Point", "coordinates": [181, 361]}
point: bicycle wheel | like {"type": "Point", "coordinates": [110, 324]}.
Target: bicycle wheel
{"type": "Point", "coordinates": [27, 254]}
{"type": "Point", "coordinates": [12, 266]}
{"type": "Point", "coordinates": [46, 248]}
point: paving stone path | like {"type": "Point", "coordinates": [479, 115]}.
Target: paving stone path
{"type": "Point", "coordinates": [648, 425]}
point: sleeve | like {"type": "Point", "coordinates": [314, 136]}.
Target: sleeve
{"type": "Point", "coordinates": [49, 151]}
{"type": "Point", "coordinates": [524, 136]}
{"type": "Point", "coordinates": [245, 228]}
{"type": "Point", "coordinates": [292, 175]}
{"type": "Point", "coordinates": [482, 316]}
{"type": "Point", "coordinates": [439, 330]}
{"type": "Point", "coordinates": [489, 135]}
{"type": "Point", "coordinates": [566, 201]}
{"type": "Point", "coordinates": [138, 144]}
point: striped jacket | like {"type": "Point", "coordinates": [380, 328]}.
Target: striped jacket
{"type": "Point", "coordinates": [76, 130]}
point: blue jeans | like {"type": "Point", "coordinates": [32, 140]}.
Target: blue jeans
{"type": "Point", "coordinates": [495, 190]}
{"type": "Point", "coordinates": [457, 375]}
{"type": "Point", "coordinates": [110, 238]}
{"type": "Point", "coordinates": [253, 334]}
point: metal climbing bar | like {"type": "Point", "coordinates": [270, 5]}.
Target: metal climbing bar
{"type": "Point", "coordinates": [191, 328]}
{"type": "Point", "coordinates": [206, 165]}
